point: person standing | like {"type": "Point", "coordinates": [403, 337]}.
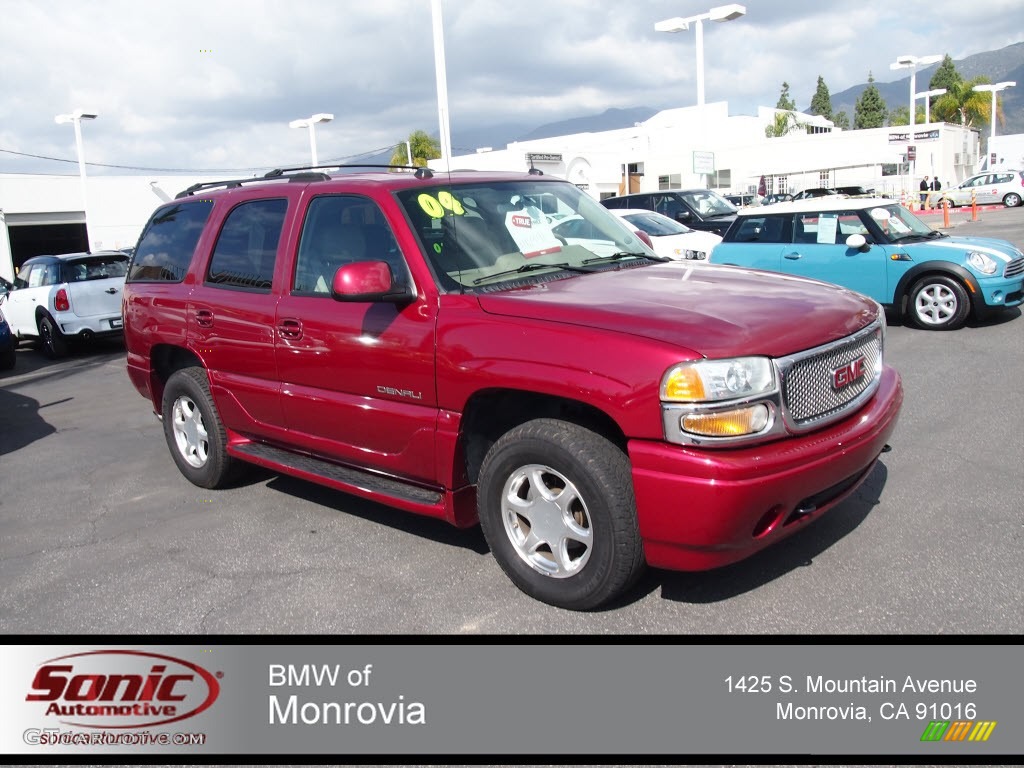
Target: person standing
{"type": "Point", "coordinates": [936, 185]}
{"type": "Point", "coordinates": [924, 191]}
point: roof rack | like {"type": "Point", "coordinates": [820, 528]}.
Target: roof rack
{"type": "Point", "coordinates": [301, 173]}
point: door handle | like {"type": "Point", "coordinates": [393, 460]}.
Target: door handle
{"type": "Point", "coordinates": [204, 318]}
{"type": "Point", "coordinates": [289, 328]}
{"type": "Point", "coordinates": [793, 256]}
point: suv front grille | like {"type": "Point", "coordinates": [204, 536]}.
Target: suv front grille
{"type": "Point", "coordinates": [1014, 268]}
{"type": "Point", "coordinates": [823, 384]}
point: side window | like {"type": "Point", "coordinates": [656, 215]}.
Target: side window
{"type": "Point", "coordinates": [34, 279]}
{"type": "Point", "coordinates": [667, 205]}
{"type": "Point", "coordinates": [805, 228]}
{"type": "Point", "coordinates": [246, 249]}
{"type": "Point", "coordinates": [339, 230]}
{"type": "Point", "coordinates": [764, 229]}
{"type": "Point", "coordinates": [168, 242]}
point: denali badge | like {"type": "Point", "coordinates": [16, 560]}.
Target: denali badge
{"type": "Point", "coordinates": [847, 374]}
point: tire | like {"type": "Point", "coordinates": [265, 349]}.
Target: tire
{"type": "Point", "coordinates": [587, 499]}
{"type": "Point", "coordinates": [1011, 199]}
{"type": "Point", "coordinates": [194, 432]}
{"type": "Point", "coordinates": [938, 303]}
{"type": "Point", "coordinates": [8, 359]}
{"type": "Point", "coordinates": [51, 341]}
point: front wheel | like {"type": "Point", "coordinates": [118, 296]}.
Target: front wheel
{"type": "Point", "coordinates": [193, 430]}
{"type": "Point", "coordinates": [938, 303]}
{"type": "Point", "coordinates": [1011, 200]}
{"type": "Point", "coordinates": [556, 505]}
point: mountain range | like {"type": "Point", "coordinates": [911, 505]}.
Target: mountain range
{"type": "Point", "coordinates": [1004, 64]}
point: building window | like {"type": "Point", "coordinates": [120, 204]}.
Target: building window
{"type": "Point", "coordinates": [782, 182]}
{"type": "Point", "coordinates": [672, 181]}
{"type": "Point", "coordinates": [722, 179]}
{"type": "Point", "coordinates": [824, 179]}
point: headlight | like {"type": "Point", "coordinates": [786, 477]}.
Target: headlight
{"type": "Point", "coordinates": [708, 381]}
{"type": "Point", "coordinates": [982, 262]}
{"type": "Point", "coordinates": [690, 254]}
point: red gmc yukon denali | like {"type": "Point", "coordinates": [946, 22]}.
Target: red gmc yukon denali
{"type": "Point", "coordinates": [499, 348]}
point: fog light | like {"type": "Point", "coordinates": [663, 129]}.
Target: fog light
{"type": "Point", "coordinates": [740, 421]}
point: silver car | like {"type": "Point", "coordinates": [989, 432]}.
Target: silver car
{"type": "Point", "coordinates": [1006, 187]}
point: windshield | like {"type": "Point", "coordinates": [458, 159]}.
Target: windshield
{"type": "Point", "coordinates": [656, 225]}
{"type": "Point", "coordinates": [898, 223]}
{"type": "Point", "coordinates": [708, 203]}
{"type": "Point", "coordinates": [480, 235]}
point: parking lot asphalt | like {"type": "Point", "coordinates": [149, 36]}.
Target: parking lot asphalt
{"type": "Point", "coordinates": [101, 534]}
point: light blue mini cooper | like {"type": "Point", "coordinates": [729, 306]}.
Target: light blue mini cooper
{"type": "Point", "coordinates": [879, 248]}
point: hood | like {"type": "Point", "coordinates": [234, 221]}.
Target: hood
{"type": "Point", "coordinates": [1000, 250]}
{"type": "Point", "coordinates": [714, 311]}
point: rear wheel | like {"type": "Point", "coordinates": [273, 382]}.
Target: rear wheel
{"type": "Point", "coordinates": [556, 505]}
{"type": "Point", "coordinates": [938, 303]}
{"type": "Point", "coordinates": [195, 435]}
{"type": "Point", "coordinates": [1011, 200]}
{"type": "Point", "coordinates": [53, 342]}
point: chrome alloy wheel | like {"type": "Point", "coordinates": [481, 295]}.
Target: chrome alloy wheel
{"type": "Point", "coordinates": [935, 304]}
{"type": "Point", "coordinates": [190, 432]}
{"type": "Point", "coordinates": [547, 521]}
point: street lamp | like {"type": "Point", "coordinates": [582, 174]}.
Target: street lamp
{"type": "Point", "coordinates": [927, 96]}
{"type": "Point", "coordinates": [440, 74]}
{"type": "Point", "coordinates": [309, 122]}
{"type": "Point", "coordinates": [680, 24]}
{"type": "Point", "coordinates": [913, 62]}
{"type": "Point", "coordinates": [995, 89]}
{"type": "Point", "coordinates": [76, 119]}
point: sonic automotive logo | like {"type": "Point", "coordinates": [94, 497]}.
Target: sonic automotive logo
{"type": "Point", "coordinates": [122, 689]}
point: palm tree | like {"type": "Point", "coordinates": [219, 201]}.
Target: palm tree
{"type": "Point", "coordinates": [424, 147]}
{"type": "Point", "coordinates": [962, 104]}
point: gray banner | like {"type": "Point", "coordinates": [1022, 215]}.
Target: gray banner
{"type": "Point", "coordinates": [947, 701]}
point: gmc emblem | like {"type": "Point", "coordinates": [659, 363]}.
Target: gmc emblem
{"type": "Point", "coordinates": [847, 374]}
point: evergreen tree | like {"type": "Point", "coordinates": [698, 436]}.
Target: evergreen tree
{"type": "Point", "coordinates": [424, 147]}
{"type": "Point", "coordinates": [842, 120]}
{"type": "Point", "coordinates": [785, 100]}
{"type": "Point", "coordinates": [821, 103]}
{"type": "Point", "coordinates": [901, 115]}
{"type": "Point", "coordinates": [945, 75]}
{"type": "Point", "coordinates": [869, 111]}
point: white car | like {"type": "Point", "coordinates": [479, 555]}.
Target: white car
{"type": "Point", "coordinates": [669, 238]}
{"type": "Point", "coordinates": [70, 296]}
{"type": "Point", "coordinates": [1006, 187]}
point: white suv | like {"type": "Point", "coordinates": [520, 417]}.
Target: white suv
{"type": "Point", "coordinates": [74, 295]}
{"type": "Point", "coordinates": [1006, 187]}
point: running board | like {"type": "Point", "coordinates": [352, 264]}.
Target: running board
{"type": "Point", "coordinates": [309, 467]}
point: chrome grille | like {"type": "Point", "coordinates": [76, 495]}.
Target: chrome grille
{"type": "Point", "coordinates": [1014, 268]}
{"type": "Point", "coordinates": [809, 391]}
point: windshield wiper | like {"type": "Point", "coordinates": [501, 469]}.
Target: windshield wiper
{"type": "Point", "coordinates": [625, 255]}
{"type": "Point", "coordinates": [531, 268]}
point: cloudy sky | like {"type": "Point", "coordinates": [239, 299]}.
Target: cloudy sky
{"type": "Point", "coordinates": [213, 84]}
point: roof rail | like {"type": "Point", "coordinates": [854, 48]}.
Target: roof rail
{"type": "Point", "coordinates": [301, 173]}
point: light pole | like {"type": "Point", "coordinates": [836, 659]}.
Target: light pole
{"type": "Point", "coordinates": [76, 119]}
{"type": "Point", "coordinates": [927, 95]}
{"type": "Point", "coordinates": [680, 24]}
{"type": "Point", "coordinates": [442, 83]}
{"type": "Point", "coordinates": [913, 62]}
{"type": "Point", "coordinates": [995, 88]}
{"type": "Point", "coordinates": [310, 122]}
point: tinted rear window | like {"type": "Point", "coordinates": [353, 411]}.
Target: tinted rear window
{"type": "Point", "coordinates": [168, 242]}
{"type": "Point", "coordinates": [95, 268]}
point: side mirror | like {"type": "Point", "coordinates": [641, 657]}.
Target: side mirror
{"type": "Point", "coordinates": [369, 281]}
{"type": "Point", "coordinates": [684, 216]}
{"type": "Point", "coordinates": [858, 242]}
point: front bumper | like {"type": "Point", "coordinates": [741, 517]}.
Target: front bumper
{"type": "Point", "coordinates": [999, 292]}
{"type": "Point", "coordinates": [701, 509]}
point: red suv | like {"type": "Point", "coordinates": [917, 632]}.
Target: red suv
{"type": "Point", "coordinates": [428, 341]}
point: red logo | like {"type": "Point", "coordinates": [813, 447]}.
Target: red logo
{"type": "Point", "coordinates": [847, 374]}
{"type": "Point", "coordinates": [122, 689]}
{"type": "Point", "coordinates": [519, 220]}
